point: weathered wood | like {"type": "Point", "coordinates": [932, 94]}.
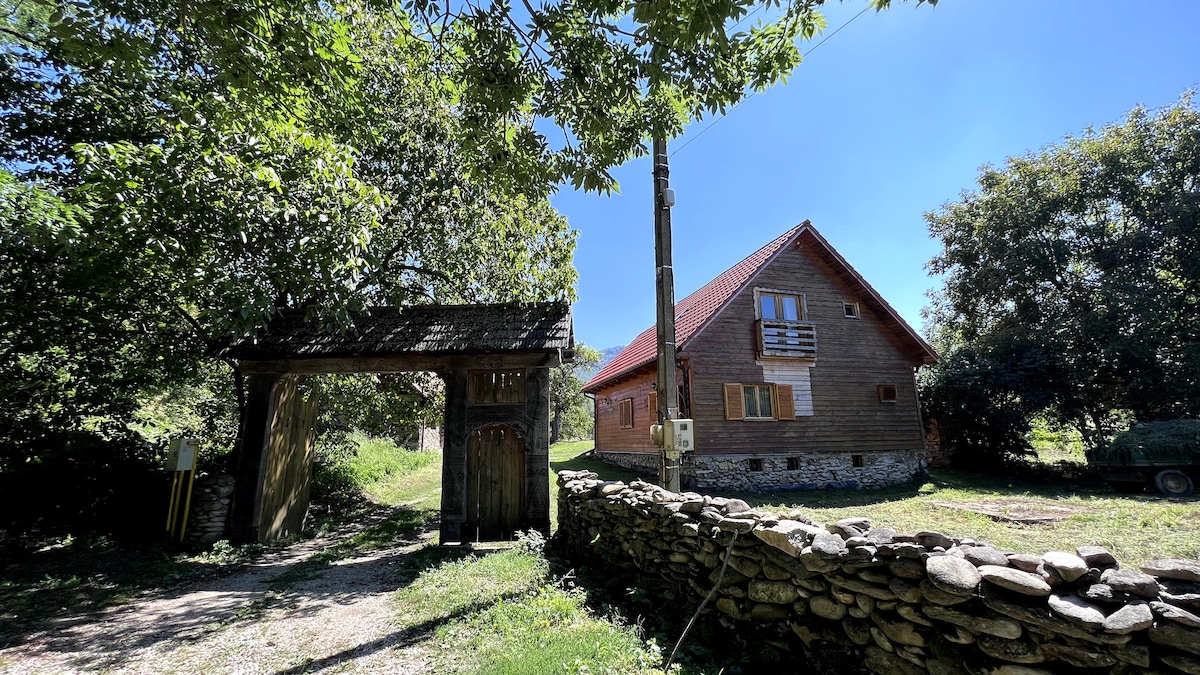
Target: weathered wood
{"type": "Point", "coordinates": [251, 459]}
{"type": "Point", "coordinates": [495, 483]}
{"type": "Point", "coordinates": [401, 363]}
{"type": "Point", "coordinates": [454, 457]}
{"type": "Point", "coordinates": [288, 474]}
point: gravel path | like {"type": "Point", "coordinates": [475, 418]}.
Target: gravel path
{"type": "Point", "coordinates": [340, 619]}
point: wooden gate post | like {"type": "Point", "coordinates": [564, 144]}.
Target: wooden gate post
{"type": "Point", "coordinates": [454, 457]}
{"type": "Point", "coordinates": [246, 509]}
{"type": "Point", "coordinates": [537, 450]}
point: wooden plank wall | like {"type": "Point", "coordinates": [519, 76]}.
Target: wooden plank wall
{"type": "Point", "coordinates": [854, 356]}
{"type": "Point", "coordinates": [610, 436]}
{"type": "Point", "coordinates": [289, 462]}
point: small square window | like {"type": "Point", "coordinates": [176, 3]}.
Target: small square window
{"type": "Point", "coordinates": [887, 393]}
{"type": "Point", "coordinates": [626, 405]}
{"type": "Point", "coordinates": [856, 460]}
{"type": "Point", "coordinates": [850, 310]}
{"type": "Point", "coordinates": [755, 464]}
{"type": "Point", "coordinates": [793, 463]}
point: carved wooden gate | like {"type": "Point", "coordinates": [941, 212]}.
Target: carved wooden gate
{"type": "Point", "coordinates": [289, 461]}
{"type": "Point", "coordinates": [495, 483]}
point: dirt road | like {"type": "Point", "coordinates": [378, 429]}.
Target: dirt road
{"type": "Point", "coordinates": [265, 618]}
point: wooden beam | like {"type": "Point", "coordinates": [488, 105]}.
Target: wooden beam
{"type": "Point", "coordinates": [400, 363]}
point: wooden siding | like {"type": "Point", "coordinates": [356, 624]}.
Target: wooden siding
{"type": "Point", "coordinates": [854, 357]}
{"type": "Point", "coordinates": [610, 437]}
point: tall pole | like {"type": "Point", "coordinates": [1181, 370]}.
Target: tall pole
{"type": "Point", "coordinates": [668, 393]}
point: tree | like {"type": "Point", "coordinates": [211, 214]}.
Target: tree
{"type": "Point", "coordinates": [1072, 276]}
{"type": "Point", "coordinates": [214, 163]}
{"type": "Point", "coordinates": [569, 408]}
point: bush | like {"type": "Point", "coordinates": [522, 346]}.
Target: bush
{"type": "Point", "coordinates": [982, 427]}
{"type": "Point", "coordinates": [85, 482]}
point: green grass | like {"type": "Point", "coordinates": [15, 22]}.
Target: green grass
{"type": "Point", "coordinates": [376, 460]}
{"type": "Point", "coordinates": [504, 613]}
{"type": "Point", "coordinates": [1135, 528]}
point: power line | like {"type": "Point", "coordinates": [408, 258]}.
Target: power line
{"type": "Point", "coordinates": [739, 103]}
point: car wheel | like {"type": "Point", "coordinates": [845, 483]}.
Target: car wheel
{"type": "Point", "coordinates": [1173, 483]}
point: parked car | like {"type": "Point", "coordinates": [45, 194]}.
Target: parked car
{"type": "Point", "coordinates": [1163, 455]}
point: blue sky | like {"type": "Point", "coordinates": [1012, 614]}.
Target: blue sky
{"type": "Point", "coordinates": [890, 118]}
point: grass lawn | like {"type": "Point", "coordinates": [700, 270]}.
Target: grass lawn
{"type": "Point", "coordinates": [1135, 528]}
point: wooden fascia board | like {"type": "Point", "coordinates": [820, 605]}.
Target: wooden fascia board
{"type": "Point", "coordinates": [928, 354]}
{"type": "Point", "coordinates": [632, 373]}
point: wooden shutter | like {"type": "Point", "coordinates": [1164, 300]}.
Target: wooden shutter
{"type": "Point", "coordinates": [785, 405]}
{"type": "Point", "coordinates": [735, 405]}
{"type": "Point", "coordinates": [652, 406]}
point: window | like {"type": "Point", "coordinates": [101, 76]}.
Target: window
{"type": "Point", "coordinates": [755, 464]}
{"type": "Point", "coordinates": [793, 463]}
{"type": "Point", "coordinates": [887, 393]}
{"type": "Point", "coordinates": [781, 325]}
{"type": "Point", "coordinates": [777, 306]}
{"type": "Point", "coordinates": [652, 406]}
{"type": "Point", "coordinates": [850, 310]}
{"type": "Point", "coordinates": [626, 410]}
{"type": "Point", "coordinates": [759, 401]}
{"type": "Point", "coordinates": [492, 387]}
{"type": "Point", "coordinates": [856, 460]}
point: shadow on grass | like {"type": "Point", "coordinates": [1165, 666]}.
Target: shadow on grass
{"type": "Point", "coordinates": [71, 581]}
{"type": "Point", "coordinates": [389, 550]}
{"type": "Point", "coordinates": [584, 461]}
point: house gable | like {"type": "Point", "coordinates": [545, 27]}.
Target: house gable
{"type": "Point", "coordinates": [835, 393]}
{"type": "Point", "coordinates": [698, 310]}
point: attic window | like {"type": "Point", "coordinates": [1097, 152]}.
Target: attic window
{"type": "Point", "coordinates": [850, 310]}
{"type": "Point", "coordinates": [887, 393]}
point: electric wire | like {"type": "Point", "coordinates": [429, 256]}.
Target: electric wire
{"type": "Point", "coordinates": [752, 94]}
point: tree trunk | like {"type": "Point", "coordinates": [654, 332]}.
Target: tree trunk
{"type": "Point", "coordinates": [555, 425]}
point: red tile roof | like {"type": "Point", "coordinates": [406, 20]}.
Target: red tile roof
{"type": "Point", "coordinates": [694, 311]}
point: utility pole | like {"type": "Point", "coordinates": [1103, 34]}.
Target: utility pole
{"type": "Point", "coordinates": [668, 393]}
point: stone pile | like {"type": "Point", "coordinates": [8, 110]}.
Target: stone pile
{"type": "Point", "coordinates": [209, 515]}
{"type": "Point", "coordinates": [905, 604]}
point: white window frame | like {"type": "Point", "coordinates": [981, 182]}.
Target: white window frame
{"type": "Point", "coordinates": [850, 310]}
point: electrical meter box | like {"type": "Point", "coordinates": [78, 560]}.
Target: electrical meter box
{"type": "Point", "coordinates": [679, 435]}
{"type": "Point", "coordinates": [181, 454]}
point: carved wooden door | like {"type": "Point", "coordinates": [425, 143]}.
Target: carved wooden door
{"type": "Point", "coordinates": [495, 483]}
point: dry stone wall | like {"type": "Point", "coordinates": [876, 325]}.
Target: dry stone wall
{"type": "Point", "coordinates": [209, 514]}
{"type": "Point", "coordinates": [903, 604]}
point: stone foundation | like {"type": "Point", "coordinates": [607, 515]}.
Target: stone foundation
{"type": "Point", "coordinates": [812, 470]}
{"type": "Point", "coordinates": [888, 603]}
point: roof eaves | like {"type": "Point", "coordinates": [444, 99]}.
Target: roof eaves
{"type": "Point", "coordinates": [929, 354]}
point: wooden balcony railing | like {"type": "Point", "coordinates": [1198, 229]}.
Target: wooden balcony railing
{"type": "Point", "coordinates": [787, 338]}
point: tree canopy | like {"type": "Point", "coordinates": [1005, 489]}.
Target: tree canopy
{"type": "Point", "coordinates": [1072, 276]}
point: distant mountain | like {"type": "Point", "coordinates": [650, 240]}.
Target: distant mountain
{"type": "Point", "coordinates": [607, 354]}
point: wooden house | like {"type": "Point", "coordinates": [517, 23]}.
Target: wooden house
{"type": "Point", "coordinates": [796, 372]}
